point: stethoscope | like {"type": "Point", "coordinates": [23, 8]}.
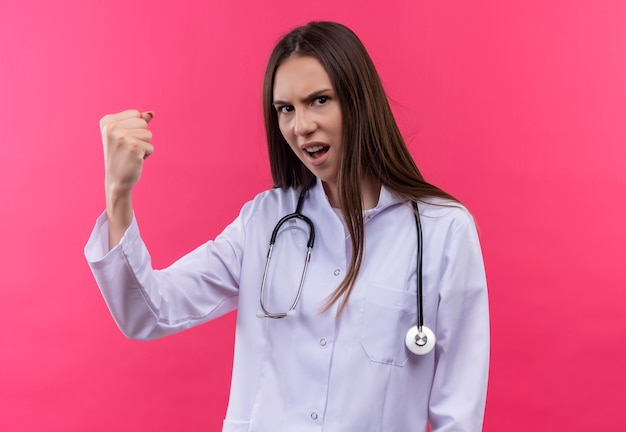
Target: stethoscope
{"type": "Point", "coordinates": [419, 338]}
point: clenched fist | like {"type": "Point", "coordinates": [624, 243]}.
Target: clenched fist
{"type": "Point", "coordinates": [126, 140]}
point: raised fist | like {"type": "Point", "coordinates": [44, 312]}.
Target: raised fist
{"type": "Point", "coordinates": [126, 140]}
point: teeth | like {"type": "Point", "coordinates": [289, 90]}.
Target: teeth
{"type": "Point", "coordinates": [314, 149]}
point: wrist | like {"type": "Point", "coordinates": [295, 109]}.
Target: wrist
{"type": "Point", "coordinates": [119, 210]}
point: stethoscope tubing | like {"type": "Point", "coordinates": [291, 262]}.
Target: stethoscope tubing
{"type": "Point", "coordinates": [264, 313]}
{"type": "Point", "coordinates": [419, 339]}
{"type": "Point", "coordinates": [420, 305]}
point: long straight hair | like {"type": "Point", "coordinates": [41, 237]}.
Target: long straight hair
{"type": "Point", "coordinates": [372, 144]}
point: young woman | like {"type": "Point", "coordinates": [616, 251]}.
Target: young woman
{"type": "Point", "coordinates": [329, 337]}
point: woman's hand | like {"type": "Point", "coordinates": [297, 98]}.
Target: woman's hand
{"type": "Point", "coordinates": [126, 140]}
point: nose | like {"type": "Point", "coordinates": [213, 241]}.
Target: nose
{"type": "Point", "coordinates": [304, 124]}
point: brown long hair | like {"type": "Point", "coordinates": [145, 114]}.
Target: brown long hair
{"type": "Point", "coordinates": [373, 146]}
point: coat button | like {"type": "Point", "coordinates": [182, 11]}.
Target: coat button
{"type": "Point", "coordinates": [337, 272]}
{"type": "Point", "coordinates": [323, 342]}
{"type": "Point", "coordinates": [314, 415]}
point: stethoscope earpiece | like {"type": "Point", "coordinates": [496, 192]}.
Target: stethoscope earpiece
{"type": "Point", "coordinates": [420, 343]}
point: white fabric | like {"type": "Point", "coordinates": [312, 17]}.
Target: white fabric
{"type": "Point", "coordinates": [314, 372]}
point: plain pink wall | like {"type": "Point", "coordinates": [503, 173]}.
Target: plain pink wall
{"type": "Point", "coordinates": [516, 107]}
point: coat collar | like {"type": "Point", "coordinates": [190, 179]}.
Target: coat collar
{"type": "Point", "coordinates": [317, 198]}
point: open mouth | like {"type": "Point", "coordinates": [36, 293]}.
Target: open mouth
{"type": "Point", "coordinates": [316, 151]}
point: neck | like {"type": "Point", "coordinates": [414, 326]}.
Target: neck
{"type": "Point", "coordinates": [370, 191]}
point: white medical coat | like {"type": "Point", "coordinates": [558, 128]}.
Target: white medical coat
{"type": "Point", "coordinates": [316, 372]}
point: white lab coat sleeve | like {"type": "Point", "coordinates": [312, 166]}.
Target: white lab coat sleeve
{"type": "Point", "coordinates": [459, 390]}
{"type": "Point", "coordinates": [148, 303]}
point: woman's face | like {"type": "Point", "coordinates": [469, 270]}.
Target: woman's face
{"type": "Point", "coordinates": [309, 115]}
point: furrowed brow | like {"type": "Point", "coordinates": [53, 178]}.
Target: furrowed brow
{"type": "Point", "coordinates": [315, 94]}
{"type": "Point", "coordinates": [307, 98]}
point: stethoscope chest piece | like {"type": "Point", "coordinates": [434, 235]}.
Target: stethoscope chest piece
{"type": "Point", "coordinates": [420, 343]}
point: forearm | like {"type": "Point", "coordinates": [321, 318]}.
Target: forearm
{"type": "Point", "coordinates": [119, 210]}
{"type": "Point", "coordinates": [126, 144]}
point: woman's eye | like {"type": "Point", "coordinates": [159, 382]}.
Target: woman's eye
{"type": "Point", "coordinates": [321, 100]}
{"type": "Point", "coordinates": [285, 109]}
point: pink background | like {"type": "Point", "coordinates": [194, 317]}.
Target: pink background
{"type": "Point", "coordinates": [516, 107]}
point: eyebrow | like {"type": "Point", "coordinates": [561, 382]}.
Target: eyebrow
{"type": "Point", "coordinates": [306, 98]}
